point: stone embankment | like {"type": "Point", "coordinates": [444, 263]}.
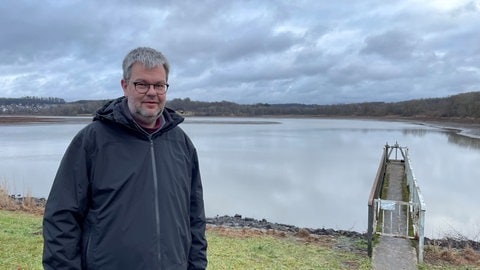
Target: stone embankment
{"type": "Point", "coordinates": [37, 202]}
{"type": "Point", "coordinates": [349, 241]}
{"type": "Point", "coordinates": [237, 221]}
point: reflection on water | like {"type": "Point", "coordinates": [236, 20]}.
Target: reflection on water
{"type": "Point", "coordinates": [307, 172]}
{"type": "Point", "coordinates": [463, 141]}
{"type": "Point", "coordinates": [415, 132]}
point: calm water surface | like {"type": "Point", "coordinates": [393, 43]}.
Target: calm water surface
{"type": "Point", "coordinates": [308, 172]}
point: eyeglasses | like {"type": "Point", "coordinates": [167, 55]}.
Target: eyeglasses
{"type": "Point", "coordinates": [142, 88]}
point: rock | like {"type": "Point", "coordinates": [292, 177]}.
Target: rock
{"type": "Point", "coordinates": [237, 221]}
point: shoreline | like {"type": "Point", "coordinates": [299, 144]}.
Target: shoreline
{"type": "Point", "coordinates": [468, 128]}
{"type": "Point", "coordinates": [238, 222]}
{"type": "Point", "coordinates": [36, 206]}
{"type": "Point", "coordinates": [34, 119]}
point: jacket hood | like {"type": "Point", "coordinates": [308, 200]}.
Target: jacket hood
{"type": "Point", "coordinates": [117, 111]}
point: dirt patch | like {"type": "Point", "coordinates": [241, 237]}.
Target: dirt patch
{"type": "Point", "coordinates": [327, 241]}
{"type": "Point", "coordinates": [239, 226]}
{"type": "Point", "coordinates": [14, 119]}
{"type": "Point", "coordinates": [32, 119]}
{"type": "Point", "coordinates": [444, 256]}
{"type": "Point", "coordinates": [26, 204]}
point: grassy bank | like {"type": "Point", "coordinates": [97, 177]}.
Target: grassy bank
{"type": "Point", "coordinates": [21, 248]}
{"type": "Point", "coordinates": [20, 240]}
{"type": "Point", "coordinates": [21, 245]}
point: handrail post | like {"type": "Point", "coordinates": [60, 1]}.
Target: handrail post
{"type": "Point", "coordinates": [421, 238]}
{"type": "Point", "coordinates": [370, 229]}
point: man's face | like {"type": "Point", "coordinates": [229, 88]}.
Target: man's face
{"type": "Point", "coordinates": [147, 107]}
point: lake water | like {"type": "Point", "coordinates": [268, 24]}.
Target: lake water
{"type": "Point", "coordinates": [313, 173]}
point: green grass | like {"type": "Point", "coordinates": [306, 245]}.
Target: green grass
{"type": "Point", "coordinates": [21, 240]}
{"type": "Point", "coordinates": [21, 248]}
{"type": "Point", "coordinates": [270, 252]}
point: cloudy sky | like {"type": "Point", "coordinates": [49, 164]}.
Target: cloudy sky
{"type": "Point", "coordinates": [313, 52]}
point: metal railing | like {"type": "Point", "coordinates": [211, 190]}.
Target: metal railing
{"type": "Point", "coordinates": [418, 207]}
{"type": "Point", "coordinates": [381, 210]}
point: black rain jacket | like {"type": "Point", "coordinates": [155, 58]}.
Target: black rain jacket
{"type": "Point", "coordinates": [126, 199]}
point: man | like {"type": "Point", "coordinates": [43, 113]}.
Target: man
{"type": "Point", "coordinates": [128, 192]}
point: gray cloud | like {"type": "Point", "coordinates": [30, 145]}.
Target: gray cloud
{"type": "Point", "coordinates": [248, 51]}
{"type": "Point", "coordinates": [394, 44]}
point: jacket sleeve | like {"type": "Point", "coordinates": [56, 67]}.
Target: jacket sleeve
{"type": "Point", "coordinates": [198, 251]}
{"type": "Point", "coordinates": [65, 210]}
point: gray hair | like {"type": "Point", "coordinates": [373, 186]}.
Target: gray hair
{"type": "Point", "coordinates": [149, 57]}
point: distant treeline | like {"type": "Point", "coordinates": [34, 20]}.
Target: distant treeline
{"type": "Point", "coordinates": [466, 106]}
{"type": "Point", "coordinates": [48, 106]}
{"type": "Point", "coordinates": [461, 106]}
{"type": "Point", "coordinates": [31, 100]}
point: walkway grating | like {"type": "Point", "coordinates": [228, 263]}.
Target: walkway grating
{"type": "Point", "coordinates": [394, 252]}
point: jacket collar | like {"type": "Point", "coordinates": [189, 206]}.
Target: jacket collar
{"type": "Point", "coordinates": [117, 111]}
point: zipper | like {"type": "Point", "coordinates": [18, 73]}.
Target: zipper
{"type": "Point", "coordinates": [157, 202]}
{"type": "Point", "coordinates": [155, 182]}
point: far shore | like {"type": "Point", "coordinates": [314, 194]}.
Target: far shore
{"type": "Point", "coordinates": [33, 119]}
{"type": "Point", "coordinates": [465, 127]}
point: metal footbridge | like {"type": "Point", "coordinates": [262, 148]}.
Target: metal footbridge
{"type": "Point", "coordinates": [396, 212]}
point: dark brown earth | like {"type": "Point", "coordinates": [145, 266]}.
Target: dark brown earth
{"type": "Point", "coordinates": [24, 119]}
